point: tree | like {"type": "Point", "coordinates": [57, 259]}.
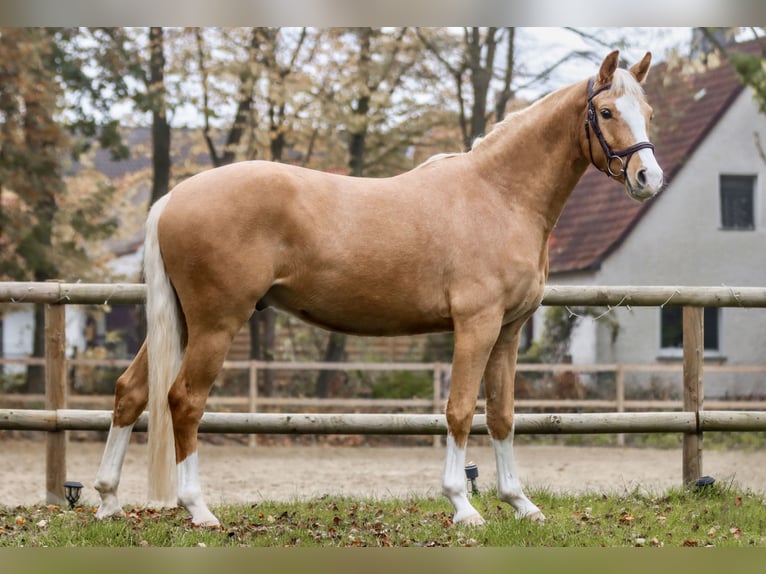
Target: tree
{"type": "Point", "coordinates": [749, 66]}
{"type": "Point", "coordinates": [58, 89]}
{"type": "Point", "coordinates": [156, 104]}
{"type": "Point", "coordinates": [31, 150]}
{"type": "Point", "coordinates": [470, 62]}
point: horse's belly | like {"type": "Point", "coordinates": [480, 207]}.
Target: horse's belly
{"type": "Point", "coordinates": [359, 315]}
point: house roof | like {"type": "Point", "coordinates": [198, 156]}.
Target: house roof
{"type": "Point", "coordinates": [599, 214]}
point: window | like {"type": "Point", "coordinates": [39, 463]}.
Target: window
{"type": "Point", "coordinates": [737, 201]}
{"type": "Point", "coordinates": [671, 329]}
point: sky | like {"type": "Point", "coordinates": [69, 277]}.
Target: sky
{"type": "Point", "coordinates": [540, 47]}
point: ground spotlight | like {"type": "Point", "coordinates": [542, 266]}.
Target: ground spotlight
{"type": "Point", "coordinates": [72, 492]}
{"type": "Point", "coordinates": [472, 473]}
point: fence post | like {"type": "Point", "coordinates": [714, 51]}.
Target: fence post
{"type": "Point", "coordinates": [620, 391]}
{"type": "Point", "coordinates": [253, 407]}
{"type": "Point", "coordinates": [437, 404]}
{"type": "Point", "coordinates": [55, 398]}
{"type": "Point", "coordinates": [694, 349]}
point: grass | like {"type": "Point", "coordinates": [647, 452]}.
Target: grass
{"type": "Point", "coordinates": [719, 440]}
{"type": "Point", "coordinates": [718, 516]}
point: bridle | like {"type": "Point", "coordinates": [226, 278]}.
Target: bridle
{"type": "Point", "coordinates": [591, 123]}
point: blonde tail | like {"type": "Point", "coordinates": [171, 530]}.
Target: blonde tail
{"type": "Point", "coordinates": [163, 338]}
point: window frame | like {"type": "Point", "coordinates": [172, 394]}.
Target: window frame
{"type": "Point", "coordinates": [723, 190]}
{"type": "Point", "coordinates": [676, 352]}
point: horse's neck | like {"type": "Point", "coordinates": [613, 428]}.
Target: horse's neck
{"type": "Point", "coordinates": [535, 157]}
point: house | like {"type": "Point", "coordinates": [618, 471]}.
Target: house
{"type": "Point", "coordinates": [707, 227]}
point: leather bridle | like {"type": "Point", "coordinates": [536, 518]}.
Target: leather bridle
{"type": "Point", "coordinates": [591, 123]}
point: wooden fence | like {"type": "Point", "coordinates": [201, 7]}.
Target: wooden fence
{"type": "Point", "coordinates": [56, 418]}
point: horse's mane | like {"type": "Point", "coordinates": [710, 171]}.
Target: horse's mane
{"type": "Point", "coordinates": [623, 82]}
{"type": "Point", "coordinates": [437, 157]}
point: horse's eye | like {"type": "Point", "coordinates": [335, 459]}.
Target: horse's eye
{"type": "Point", "coordinates": [606, 114]}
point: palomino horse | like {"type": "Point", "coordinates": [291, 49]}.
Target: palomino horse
{"type": "Point", "coordinates": [458, 243]}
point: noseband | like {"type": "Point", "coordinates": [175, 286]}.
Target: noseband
{"type": "Point", "coordinates": [591, 123]}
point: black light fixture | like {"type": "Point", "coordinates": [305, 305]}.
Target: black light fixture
{"type": "Point", "coordinates": [472, 473]}
{"type": "Point", "coordinates": [704, 482]}
{"type": "Point", "coordinates": [72, 492]}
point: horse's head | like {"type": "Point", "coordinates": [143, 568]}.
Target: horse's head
{"type": "Point", "coordinates": [617, 127]}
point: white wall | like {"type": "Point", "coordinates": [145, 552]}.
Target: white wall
{"type": "Point", "coordinates": [18, 330]}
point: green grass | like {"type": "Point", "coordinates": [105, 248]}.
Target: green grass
{"type": "Point", "coordinates": [720, 516]}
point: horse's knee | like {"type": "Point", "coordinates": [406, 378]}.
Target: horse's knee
{"type": "Point", "coordinates": [500, 426]}
{"type": "Point", "coordinates": [459, 424]}
{"type": "Point", "coordinates": [130, 398]}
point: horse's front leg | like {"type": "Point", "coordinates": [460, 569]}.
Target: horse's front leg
{"type": "Point", "coordinates": [130, 397]}
{"type": "Point", "coordinates": [499, 380]}
{"type": "Point", "coordinates": [474, 339]}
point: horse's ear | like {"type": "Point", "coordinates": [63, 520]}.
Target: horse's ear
{"type": "Point", "coordinates": [608, 66]}
{"type": "Point", "coordinates": [639, 70]}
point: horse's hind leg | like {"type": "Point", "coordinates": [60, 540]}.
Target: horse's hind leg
{"type": "Point", "coordinates": [499, 380]}
{"type": "Point", "coordinates": [131, 394]}
{"type": "Point", "coordinates": [474, 339]}
{"type": "Point", "coordinates": [203, 360]}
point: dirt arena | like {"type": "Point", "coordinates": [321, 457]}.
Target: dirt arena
{"type": "Point", "coordinates": [240, 474]}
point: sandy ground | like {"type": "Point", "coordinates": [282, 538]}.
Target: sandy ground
{"type": "Point", "coordinates": [240, 474]}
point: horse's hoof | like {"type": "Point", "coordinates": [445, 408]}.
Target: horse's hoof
{"type": "Point", "coordinates": [535, 517]}
{"type": "Point", "coordinates": [207, 523]}
{"type": "Point", "coordinates": [107, 511]}
{"type": "Point", "coordinates": [471, 520]}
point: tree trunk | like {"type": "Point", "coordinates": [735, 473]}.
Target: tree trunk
{"type": "Point", "coordinates": [160, 126]}
{"type": "Point", "coordinates": [262, 327]}
{"type": "Point", "coordinates": [510, 65]}
{"type": "Point", "coordinates": [36, 373]}
{"type": "Point", "coordinates": [335, 352]}
{"type": "Point", "coordinates": [44, 139]}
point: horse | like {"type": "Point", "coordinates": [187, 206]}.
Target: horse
{"type": "Point", "coordinates": [459, 243]}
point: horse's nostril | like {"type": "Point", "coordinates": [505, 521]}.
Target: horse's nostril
{"type": "Point", "coordinates": [641, 177]}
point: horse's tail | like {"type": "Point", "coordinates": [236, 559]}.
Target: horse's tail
{"type": "Point", "coordinates": [163, 342]}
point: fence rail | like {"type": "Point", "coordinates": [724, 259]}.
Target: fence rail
{"type": "Point", "coordinates": [56, 418]}
{"type": "Point", "coordinates": [402, 424]}
{"type": "Point", "coordinates": [54, 293]}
